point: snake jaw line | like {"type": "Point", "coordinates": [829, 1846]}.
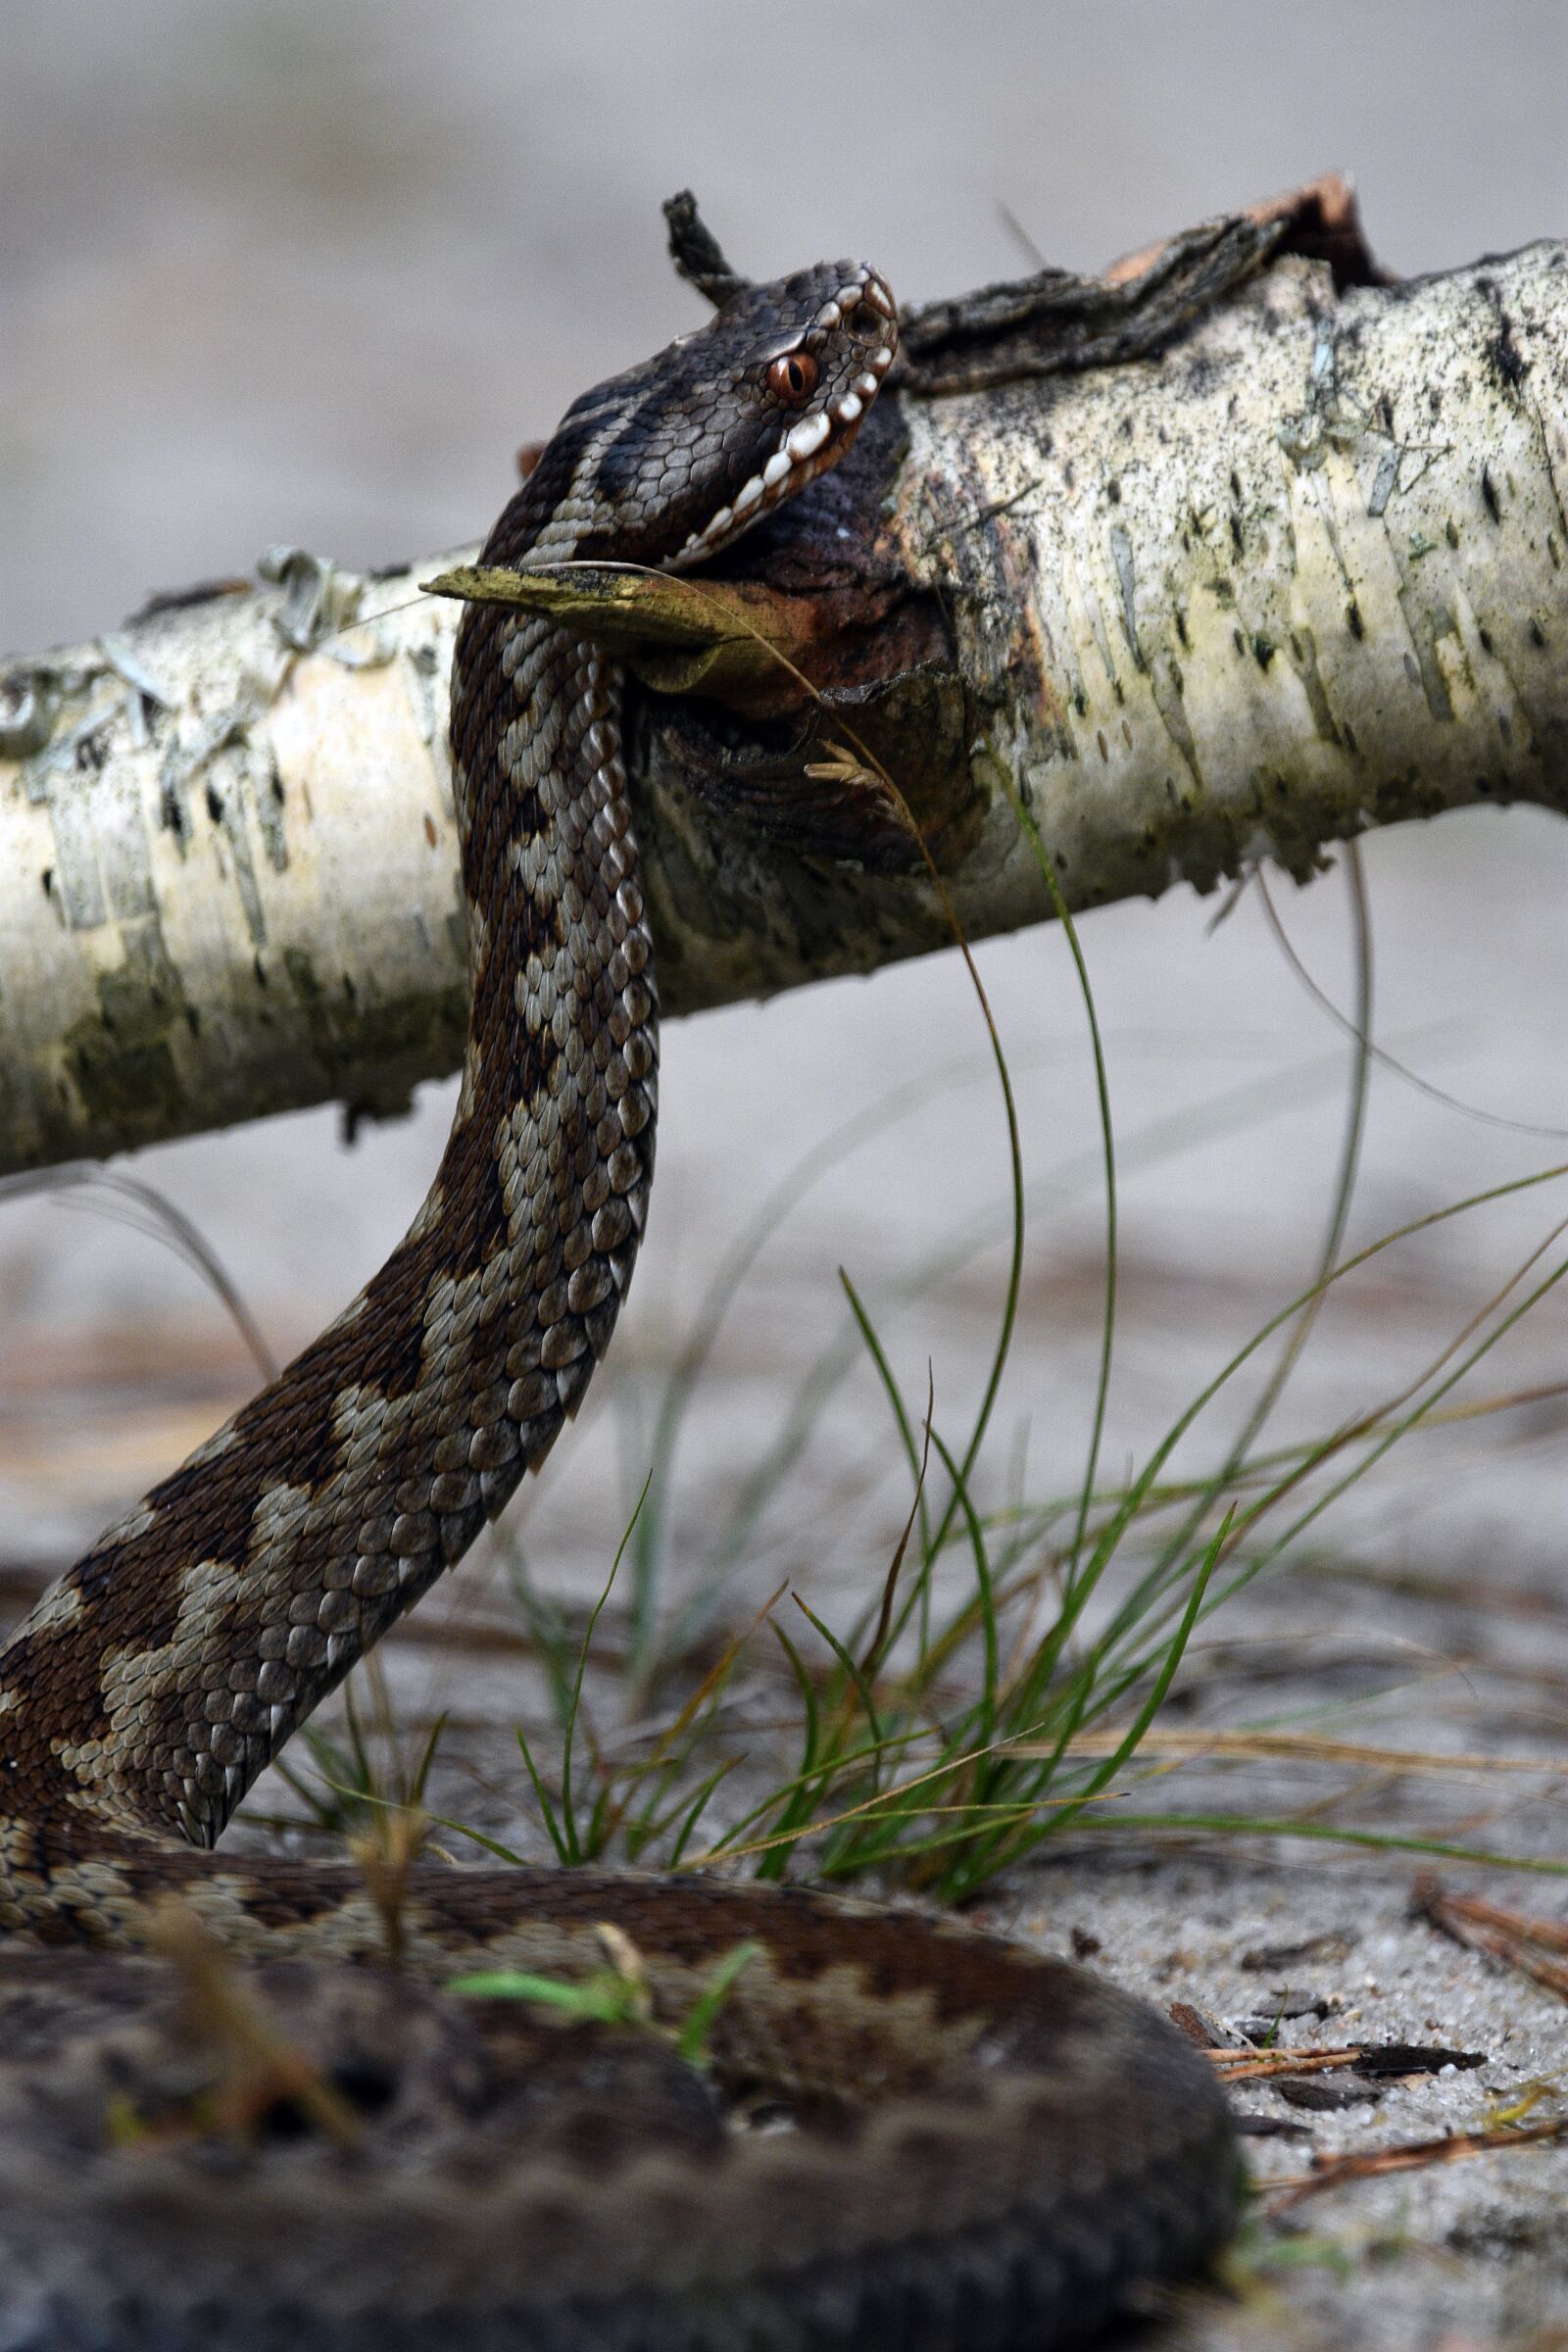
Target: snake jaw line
{"type": "Point", "coordinates": [820, 436]}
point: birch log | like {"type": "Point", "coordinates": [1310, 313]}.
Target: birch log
{"type": "Point", "coordinates": [1301, 576]}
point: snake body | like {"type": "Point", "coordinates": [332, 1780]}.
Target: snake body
{"type": "Point", "coordinates": [991, 2147]}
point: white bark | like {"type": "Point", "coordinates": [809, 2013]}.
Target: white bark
{"type": "Point", "coordinates": [1307, 579]}
{"type": "Point", "coordinates": [1304, 576]}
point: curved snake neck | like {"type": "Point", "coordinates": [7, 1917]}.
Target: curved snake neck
{"type": "Point", "coordinates": [152, 1683]}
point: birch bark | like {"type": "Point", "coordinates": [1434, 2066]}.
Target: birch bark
{"type": "Point", "coordinates": [1301, 576]}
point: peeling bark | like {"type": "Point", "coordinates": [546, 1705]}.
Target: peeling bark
{"type": "Point", "coordinates": [1302, 576]}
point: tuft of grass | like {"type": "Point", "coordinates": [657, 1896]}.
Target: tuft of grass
{"type": "Point", "coordinates": [1000, 1681]}
{"type": "Point", "coordinates": [364, 1774]}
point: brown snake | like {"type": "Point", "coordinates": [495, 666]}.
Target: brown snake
{"type": "Point", "coordinates": [990, 2147]}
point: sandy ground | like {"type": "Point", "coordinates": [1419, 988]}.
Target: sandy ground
{"type": "Point", "coordinates": [311, 272]}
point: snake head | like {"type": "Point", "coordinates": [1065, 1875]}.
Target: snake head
{"type": "Point", "coordinates": [804, 358]}
{"type": "Point", "coordinates": [675, 459]}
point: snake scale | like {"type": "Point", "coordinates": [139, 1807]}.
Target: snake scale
{"type": "Point", "coordinates": [990, 2148]}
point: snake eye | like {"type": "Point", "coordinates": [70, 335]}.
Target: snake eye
{"type": "Point", "coordinates": [793, 378]}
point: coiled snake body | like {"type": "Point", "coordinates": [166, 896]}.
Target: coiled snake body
{"type": "Point", "coordinates": [992, 2148]}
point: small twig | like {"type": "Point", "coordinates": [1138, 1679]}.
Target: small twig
{"type": "Point", "coordinates": [695, 250]}
{"type": "Point", "coordinates": [1386, 2059]}
{"type": "Point", "coordinates": [1511, 1937]}
{"type": "Point", "coordinates": [1411, 2156]}
{"type": "Point", "coordinates": [1247, 2066]}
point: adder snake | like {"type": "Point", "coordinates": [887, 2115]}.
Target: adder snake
{"type": "Point", "coordinates": [991, 2147]}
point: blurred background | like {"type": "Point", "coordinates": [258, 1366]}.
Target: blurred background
{"type": "Point", "coordinates": [310, 270]}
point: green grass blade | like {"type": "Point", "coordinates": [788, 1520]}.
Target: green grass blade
{"type": "Point", "coordinates": [1048, 869]}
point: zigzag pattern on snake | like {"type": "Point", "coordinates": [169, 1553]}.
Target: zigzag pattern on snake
{"type": "Point", "coordinates": [992, 2147]}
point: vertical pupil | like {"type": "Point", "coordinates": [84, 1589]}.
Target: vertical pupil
{"type": "Point", "coordinates": [791, 377]}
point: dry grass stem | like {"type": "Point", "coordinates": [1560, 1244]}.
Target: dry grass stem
{"type": "Point", "coordinates": [1303, 1747]}
{"type": "Point", "coordinates": [385, 1853]}
{"type": "Point", "coordinates": [1411, 2156]}
{"type": "Point", "coordinates": [262, 2068]}
{"type": "Point", "coordinates": [1511, 1937]}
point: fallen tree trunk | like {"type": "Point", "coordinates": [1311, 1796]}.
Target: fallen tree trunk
{"type": "Point", "coordinates": [1301, 575]}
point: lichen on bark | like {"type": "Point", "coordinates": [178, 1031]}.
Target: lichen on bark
{"type": "Point", "coordinates": [1301, 575]}
{"type": "Point", "coordinates": [1304, 580]}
